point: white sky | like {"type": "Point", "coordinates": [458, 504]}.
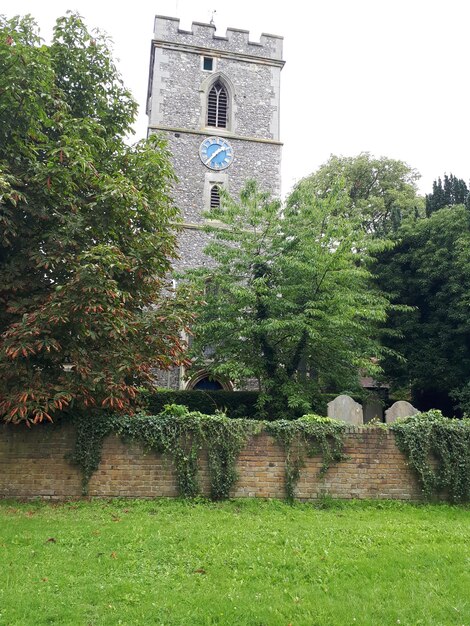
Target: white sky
{"type": "Point", "coordinates": [385, 76]}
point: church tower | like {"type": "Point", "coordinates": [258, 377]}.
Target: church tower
{"type": "Point", "coordinates": [215, 100]}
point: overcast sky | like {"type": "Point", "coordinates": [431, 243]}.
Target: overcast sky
{"type": "Point", "coordinates": [389, 77]}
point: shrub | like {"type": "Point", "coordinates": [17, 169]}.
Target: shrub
{"type": "Point", "coordinates": [235, 404]}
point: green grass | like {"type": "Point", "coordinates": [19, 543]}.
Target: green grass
{"type": "Point", "coordinates": [234, 563]}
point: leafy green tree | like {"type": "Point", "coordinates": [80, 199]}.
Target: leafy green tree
{"type": "Point", "coordinates": [429, 270]}
{"type": "Point", "coordinates": [87, 232]}
{"type": "Point", "coordinates": [380, 190]}
{"type": "Point", "coordinates": [289, 300]}
{"type": "Point", "coordinates": [453, 191]}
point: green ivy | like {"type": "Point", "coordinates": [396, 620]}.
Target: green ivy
{"type": "Point", "coordinates": [183, 435]}
{"type": "Point", "coordinates": [307, 437]}
{"type": "Point", "coordinates": [91, 428]}
{"type": "Point", "coordinates": [177, 432]}
{"type": "Point", "coordinates": [438, 449]}
{"type": "Point", "coordinates": [174, 432]}
{"type": "Point", "coordinates": [224, 439]}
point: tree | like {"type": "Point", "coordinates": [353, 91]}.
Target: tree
{"type": "Point", "coordinates": [289, 299]}
{"type": "Point", "coordinates": [87, 232]}
{"type": "Point", "coordinates": [453, 191]}
{"type": "Point", "coordinates": [429, 270]}
{"type": "Point", "coordinates": [380, 190]}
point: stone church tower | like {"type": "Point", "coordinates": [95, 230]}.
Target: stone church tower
{"type": "Point", "coordinates": [216, 101]}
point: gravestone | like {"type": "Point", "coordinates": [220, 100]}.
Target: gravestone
{"type": "Point", "coordinates": [399, 409]}
{"type": "Point", "coordinates": [346, 409]}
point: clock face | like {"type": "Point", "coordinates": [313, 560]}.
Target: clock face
{"type": "Point", "coordinates": [216, 153]}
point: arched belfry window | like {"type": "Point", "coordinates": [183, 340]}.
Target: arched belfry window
{"type": "Point", "coordinates": [217, 106]}
{"type": "Point", "coordinates": [215, 197]}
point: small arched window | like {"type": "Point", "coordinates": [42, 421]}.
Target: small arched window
{"type": "Point", "coordinates": [217, 106]}
{"type": "Point", "coordinates": [215, 197]}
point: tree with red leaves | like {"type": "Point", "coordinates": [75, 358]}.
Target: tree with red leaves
{"type": "Point", "coordinates": [87, 231]}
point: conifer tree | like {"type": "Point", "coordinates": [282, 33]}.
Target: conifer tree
{"type": "Point", "coordinates": [453, 191]}
{"type": "Point", "coordinates": [429, 270]}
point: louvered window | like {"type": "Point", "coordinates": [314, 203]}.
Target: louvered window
{"type": "Point", "coordinates": [215, 197]}
{"type": "Point", "coordinates": [217, 106]}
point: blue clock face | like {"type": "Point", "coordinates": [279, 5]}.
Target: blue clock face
{"type": "Point", "coordinates": [216, 153]}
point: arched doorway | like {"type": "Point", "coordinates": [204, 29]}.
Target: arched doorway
{"type": "Point", "coordinates": [202, 381]}
{"type": "Point", "coordinates": [206, 384]}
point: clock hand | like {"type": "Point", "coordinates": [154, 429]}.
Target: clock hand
{"type": "Point", "coordinates": [214, 154]}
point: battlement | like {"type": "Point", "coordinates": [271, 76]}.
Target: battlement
{"type": "Point", "coordinates": [236, 41]}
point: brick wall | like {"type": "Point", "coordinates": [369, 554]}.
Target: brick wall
{"type": "Point", "coordinates": [33, 463]}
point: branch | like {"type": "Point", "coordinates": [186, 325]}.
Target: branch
{"type": "Point", "coordinates": [294, 363]}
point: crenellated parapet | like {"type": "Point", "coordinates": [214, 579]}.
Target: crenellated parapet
{"type": "Point", "coordinates": [203, 36]}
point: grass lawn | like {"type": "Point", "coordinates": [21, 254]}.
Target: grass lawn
{"type": "Point", "coordinates": [233, 563]}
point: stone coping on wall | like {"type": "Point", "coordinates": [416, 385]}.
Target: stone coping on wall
{"type": "Point", "coordinates": [34, 464]}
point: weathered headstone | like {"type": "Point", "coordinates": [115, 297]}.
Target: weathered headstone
{"type": "Point", "coordinates": [346, 409]}
{"type": "Point", "coordinates": [399, 409]}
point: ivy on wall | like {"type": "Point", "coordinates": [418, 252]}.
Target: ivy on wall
{"type": "Point", "coordinates": [183, 435]}
{"type": "Point", "coordinates": [91, 427]}
{"type": "Point", "coordinates": [438, 449]}
{"type": "Point", "coordinates": [308, 436]}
